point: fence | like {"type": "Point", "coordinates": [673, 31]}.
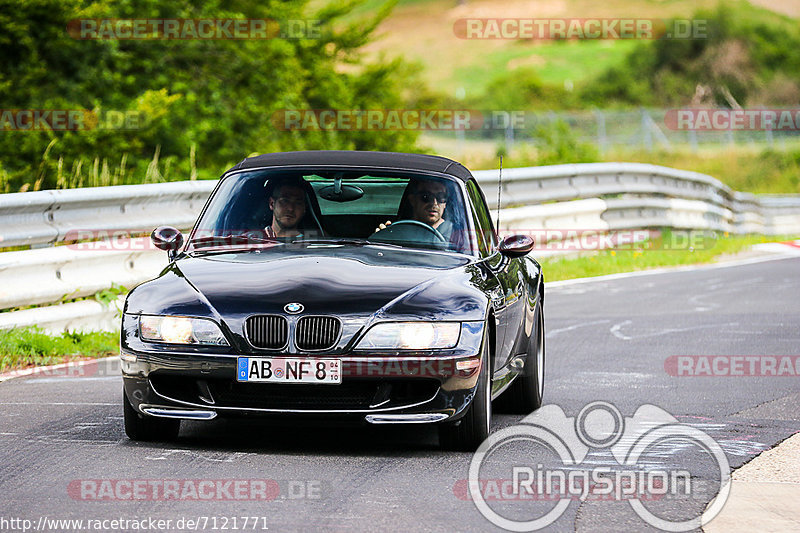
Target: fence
{"type": "Point", "coordinates": [646, 129]}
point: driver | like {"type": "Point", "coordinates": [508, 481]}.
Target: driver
{"type": "Point", "coordinates": [428, 200]}
{"type": "Point", "coordinates": [288, 205]}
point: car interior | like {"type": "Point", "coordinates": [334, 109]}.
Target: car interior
{"type": "Point", "coordinates": [337, 206]}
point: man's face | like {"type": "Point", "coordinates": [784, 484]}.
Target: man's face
{"type": "Point", "coordinates": [428, 202]}
{"type": "Point", "coordinates": [288, 207]}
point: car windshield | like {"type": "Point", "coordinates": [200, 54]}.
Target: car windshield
{"type": "Point", "coordinates": [262, 209]}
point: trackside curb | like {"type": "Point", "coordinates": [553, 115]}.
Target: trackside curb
{"type": "Point", "coordinates": [764, 493]}
{"type": "Point", "coordinates": [35, 370]}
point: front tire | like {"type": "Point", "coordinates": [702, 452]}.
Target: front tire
{"type": "Point", "coordinates": [525, 393]}
{"type": "Point", "coordinates": [473, 428]}
{"type": "Point", "coordinates": [141, 427]}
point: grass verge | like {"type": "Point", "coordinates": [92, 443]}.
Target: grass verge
{"type": "Point", "coordinates": [662, 252]}
{"type": "Point", "coordinates": [24, 347]}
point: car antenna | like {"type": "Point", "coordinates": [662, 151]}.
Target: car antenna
{"type": "Point", "coordinates": [499, 187]}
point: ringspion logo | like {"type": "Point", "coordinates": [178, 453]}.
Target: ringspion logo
{"type": "Point", "coordinates": [629, 476]}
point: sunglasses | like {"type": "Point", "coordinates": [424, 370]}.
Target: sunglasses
{"type": "Point", "coordinates": [429, 197]}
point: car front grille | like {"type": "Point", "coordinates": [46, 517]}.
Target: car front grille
{"type": "Point", "coordinates": [311, 333]}
{"type": "Point", "coordinates": [267, 331]}
{"type": "Point", "coordinates": [317, 332]}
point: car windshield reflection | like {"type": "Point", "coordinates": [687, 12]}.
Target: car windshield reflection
{"type": "Point", "coordinates": [261, 209]}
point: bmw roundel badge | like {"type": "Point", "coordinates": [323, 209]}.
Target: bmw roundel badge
{"type": "Point", "coordinates": [293, 308]}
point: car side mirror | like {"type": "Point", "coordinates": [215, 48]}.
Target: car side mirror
{"type": "Point", "coordinates": [516, 245]}
{"type": "Point", "coordinates": [167, 238]}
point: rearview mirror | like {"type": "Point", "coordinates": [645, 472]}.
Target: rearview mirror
{"type": "Point", "coordinates": [516, 245]}
{"type": "Point", "coordinates": [167, 238]}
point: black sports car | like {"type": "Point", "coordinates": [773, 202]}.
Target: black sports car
{"type": "Point", "coordinates": [361, 285]}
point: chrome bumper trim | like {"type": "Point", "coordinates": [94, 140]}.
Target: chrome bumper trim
{"type": "Point", "coordinates": [166, 412]}
{"type": "Point", "coordinates": [421, 418]}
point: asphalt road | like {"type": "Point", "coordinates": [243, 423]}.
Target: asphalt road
{"type": "Point", "coordinates": [606, 341]}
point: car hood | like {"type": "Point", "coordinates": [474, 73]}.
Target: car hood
{"type": "Point", "coordinates": [328, 280]}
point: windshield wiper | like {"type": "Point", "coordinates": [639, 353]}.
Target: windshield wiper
{"type": "Point", "coordinates": [227, 241]}
{"type": "Point", "coordinates": [346, 240]}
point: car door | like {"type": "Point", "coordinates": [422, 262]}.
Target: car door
{"type": "Point", "coordinates": [507, 287]}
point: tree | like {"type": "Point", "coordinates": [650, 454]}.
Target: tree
{"type": "Point", "coordinates": [213, 98]}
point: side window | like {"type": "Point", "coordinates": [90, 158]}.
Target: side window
{"type": "Point", "coordinates": [483, 221]}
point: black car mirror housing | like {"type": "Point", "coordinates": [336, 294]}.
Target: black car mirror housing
{"type": "Point", "coordinates": [168, 239]}
{"type": "Point", "coordinates": [516, 245]}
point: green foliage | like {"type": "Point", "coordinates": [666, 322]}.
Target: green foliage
{"type": "Point", "coordinates": [749, 56]}
{"type": "Point", "coordinates": [523, 89]}
{"type": "Point", "coordinates": [110, 294]}
{"type": "Point", "coordinates": [205, 104]}
{"type": "Point", "coordinates": [21, 347]}
{"type": "Point", "coordinates": [557, 144]}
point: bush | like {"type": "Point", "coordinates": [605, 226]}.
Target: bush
{"type": "Point", "coordinates": [207, 103]}
{"type": "Point", "coordinates": [746, 49]}
{"type": "Point", "coordinates": [557, 145]}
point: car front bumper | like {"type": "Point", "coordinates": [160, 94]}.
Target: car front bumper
{"type": "Point", "coordinates": [377, 390]}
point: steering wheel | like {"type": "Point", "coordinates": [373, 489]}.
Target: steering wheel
{"type": "Point", "coordinates": [412, 231]}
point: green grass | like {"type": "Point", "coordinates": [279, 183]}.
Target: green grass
{"type": "Point", "coordinates": [651, 254]}
{"type": "Point", "coordinates": [22, 347]}
{"type": "Point", "coordinates": [555, 62]}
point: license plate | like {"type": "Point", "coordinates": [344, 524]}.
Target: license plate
{"type": "Point", "coordinates": [289, 370]}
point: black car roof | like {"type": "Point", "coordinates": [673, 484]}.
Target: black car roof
{"type": "Point", "coordinates": [352, 158]}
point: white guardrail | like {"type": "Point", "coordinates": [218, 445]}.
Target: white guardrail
{"type": "Point", "coordinates": [605, 197]}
